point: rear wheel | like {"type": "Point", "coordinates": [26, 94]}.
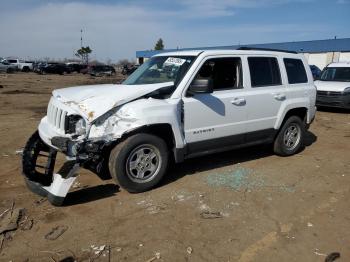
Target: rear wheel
{"type": "Point", "coordinates": [25, 69]}
{"type": "Point", "coordinates": [290, 138]}
{"type": "Point", "coordinates": [139, 162]}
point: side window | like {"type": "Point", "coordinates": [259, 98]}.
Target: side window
{"type": "Point", "coordinates": [264, 71]}
{"type": "Point", "coordinates": [225, 73]}
{"type": "Point", "coordinates": [295, 71]}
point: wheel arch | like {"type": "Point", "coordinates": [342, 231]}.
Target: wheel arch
{"type": "Point", "coordinates": [301, 112]}
{"type": "Point", "coordinates": [162, 130]}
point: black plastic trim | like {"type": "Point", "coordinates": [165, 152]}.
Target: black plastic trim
{"type": "Point", "coordinates": [231, 142]}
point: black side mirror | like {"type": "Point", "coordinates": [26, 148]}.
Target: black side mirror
{"type": "Point", "coordinates": [201, 86]}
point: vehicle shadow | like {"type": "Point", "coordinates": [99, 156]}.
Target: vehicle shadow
{"type": "Point", "coordinates": [228, 158]}
{"type": "Point", "coordinates": [333, 110]}
{"type": "Point", "coordinates": [90, 194]}
{"type": "Point", "coordinates": [189, 167]}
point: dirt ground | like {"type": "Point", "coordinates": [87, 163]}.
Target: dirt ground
{"type": "Point", "coordinates": [243, 205]}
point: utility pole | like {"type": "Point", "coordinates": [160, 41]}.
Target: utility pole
{"type": "Point", "coordinates": [81, 38]}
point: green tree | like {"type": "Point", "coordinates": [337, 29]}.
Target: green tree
{"type": "Point", "coordinates": [159, 45]}
{"type": "Point", "coordinates": [83, 53]}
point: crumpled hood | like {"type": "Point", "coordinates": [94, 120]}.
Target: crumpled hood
{"type": "Point", "coordinates": [331, 86]}
{"type": "Point", "coordinates": [94, 100]}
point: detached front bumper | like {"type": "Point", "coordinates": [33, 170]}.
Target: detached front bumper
{"type": "Point", "coordinates": [38, 164]}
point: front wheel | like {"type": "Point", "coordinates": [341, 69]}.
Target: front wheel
{"type": "Point", "coordinates": [290, 137]}
{"type": "Point", "coordinates": [139, 162]}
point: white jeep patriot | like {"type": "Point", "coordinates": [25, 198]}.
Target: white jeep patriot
{"type": "Point", "coordinates": [176, 105]}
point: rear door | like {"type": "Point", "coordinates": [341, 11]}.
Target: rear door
{"type": "Point", "coordinates": [265, 96]}
{"type": "Point", "coordinates": [299, 85]}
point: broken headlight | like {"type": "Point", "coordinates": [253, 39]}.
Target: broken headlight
{"type": "Point", "coordinates": [75, 125]}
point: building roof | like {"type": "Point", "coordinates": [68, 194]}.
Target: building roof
{"type": "Point", "coordinates": [314, 46]}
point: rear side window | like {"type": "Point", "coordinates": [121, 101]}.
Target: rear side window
{"type": "Point", "coordinates": [295, 71]}
{"type": "Point", "coordinates": [264, 71]}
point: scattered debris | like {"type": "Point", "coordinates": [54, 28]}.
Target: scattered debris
{"type": "Point", "coordinates": [332, 257]}
{"type": "Point", "coordinates": [140, 245]}
{"type": "Point", "coordinates": [98, 249]}
{"type": "Point", "coordinates": [19, 152]}
{"type": "Point", "coordinates": [286, 228]}
{"type": "Point", "coordinates": [10, 220]}
{"type": "Point", "coordinates": [181, 196]}
{"type": "Point", "coordinates": [156, 256]}
{"type": "Point", "coordinates": [118, 249]}
{"type": "Point", "coordinates": [318, 253]}
{"type": "Point", "coordinates": [309, 224]}
{"type": "Point", "coordinates": [244, 179]}
{"type": "Point", "coordinates": [5, 155]}
{"type": "Point", "coordinates": [3, 213]}
{"type": "Point", "coordinates": [189, 250]}
{"type": "Point", "coordinates": [40, 201]}
{"type": "Point", "coordinates": [155, 209]}
{"type": "Point", "coordinates": [211, 215]}
{"type": "Point", "coordinates": [56, 232]}
{"type": "Point", "coordinates": [26, 224]}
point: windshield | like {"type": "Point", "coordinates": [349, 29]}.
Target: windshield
{"type": "Point", "coordinates": [341, 74]}
{"type": "Point", "coordinates": [161, 69]}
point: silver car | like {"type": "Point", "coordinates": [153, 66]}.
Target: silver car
{"type": "Point", "coordinates": [6, 67]}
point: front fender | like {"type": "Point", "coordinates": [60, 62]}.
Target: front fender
{"type": "Point", "coordinates": [139, 114]}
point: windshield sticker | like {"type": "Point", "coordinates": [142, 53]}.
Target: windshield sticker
{"type": "Point", "coordinates": [175, 61]}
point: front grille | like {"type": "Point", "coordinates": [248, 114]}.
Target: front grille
{"type": "Point", "coordinates": [56, 116]}
{"type": "Point", "coordinates": [329, 93]}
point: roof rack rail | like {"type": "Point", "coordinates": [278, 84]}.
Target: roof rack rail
{"type": "Point", "coordinates": [265, 49]}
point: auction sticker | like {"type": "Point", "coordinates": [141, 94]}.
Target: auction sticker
{"type": "Point", "coordinates": [175, 61]}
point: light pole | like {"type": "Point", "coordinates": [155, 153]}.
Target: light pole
{"type": "Point", "coordinates": [81, 38]}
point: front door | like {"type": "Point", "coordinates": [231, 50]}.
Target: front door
{"type": "Point", "coordinates": [216, 120]}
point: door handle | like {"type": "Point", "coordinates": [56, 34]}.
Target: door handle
{"type": "Point", "coordinates": [238, 101]}
{"type": "Point", "coordinates": [279, 97]}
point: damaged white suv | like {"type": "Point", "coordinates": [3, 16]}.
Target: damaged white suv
{"type": "Point", "coordinates": [176, 105]}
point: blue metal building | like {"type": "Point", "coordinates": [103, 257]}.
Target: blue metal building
{"type": "Point", "coordinates": [319, 52]}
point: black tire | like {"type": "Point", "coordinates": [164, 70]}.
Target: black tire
{"type": "Point", "coordinates": [128, 151]}
{"type": "Point", "coordinates": [290, 137]}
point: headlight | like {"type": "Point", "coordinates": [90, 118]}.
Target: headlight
{"type": "Point", "coordinates": [75, 125]}
{"type": "Point", "coordinates": [80, 127]}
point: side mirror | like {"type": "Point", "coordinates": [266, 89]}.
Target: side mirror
{"type": "Point", "coordinates": [201, 86]}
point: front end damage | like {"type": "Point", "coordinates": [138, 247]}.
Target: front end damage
{"type": "Point", "coordinates": [84, 129]}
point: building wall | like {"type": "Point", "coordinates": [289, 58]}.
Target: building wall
{"type": "Point", "coordinates": [344, 57]}
{"type": "Point", "coordinates": [318, 59]}
{"type": "Point", "coordinates": [321, 60]}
